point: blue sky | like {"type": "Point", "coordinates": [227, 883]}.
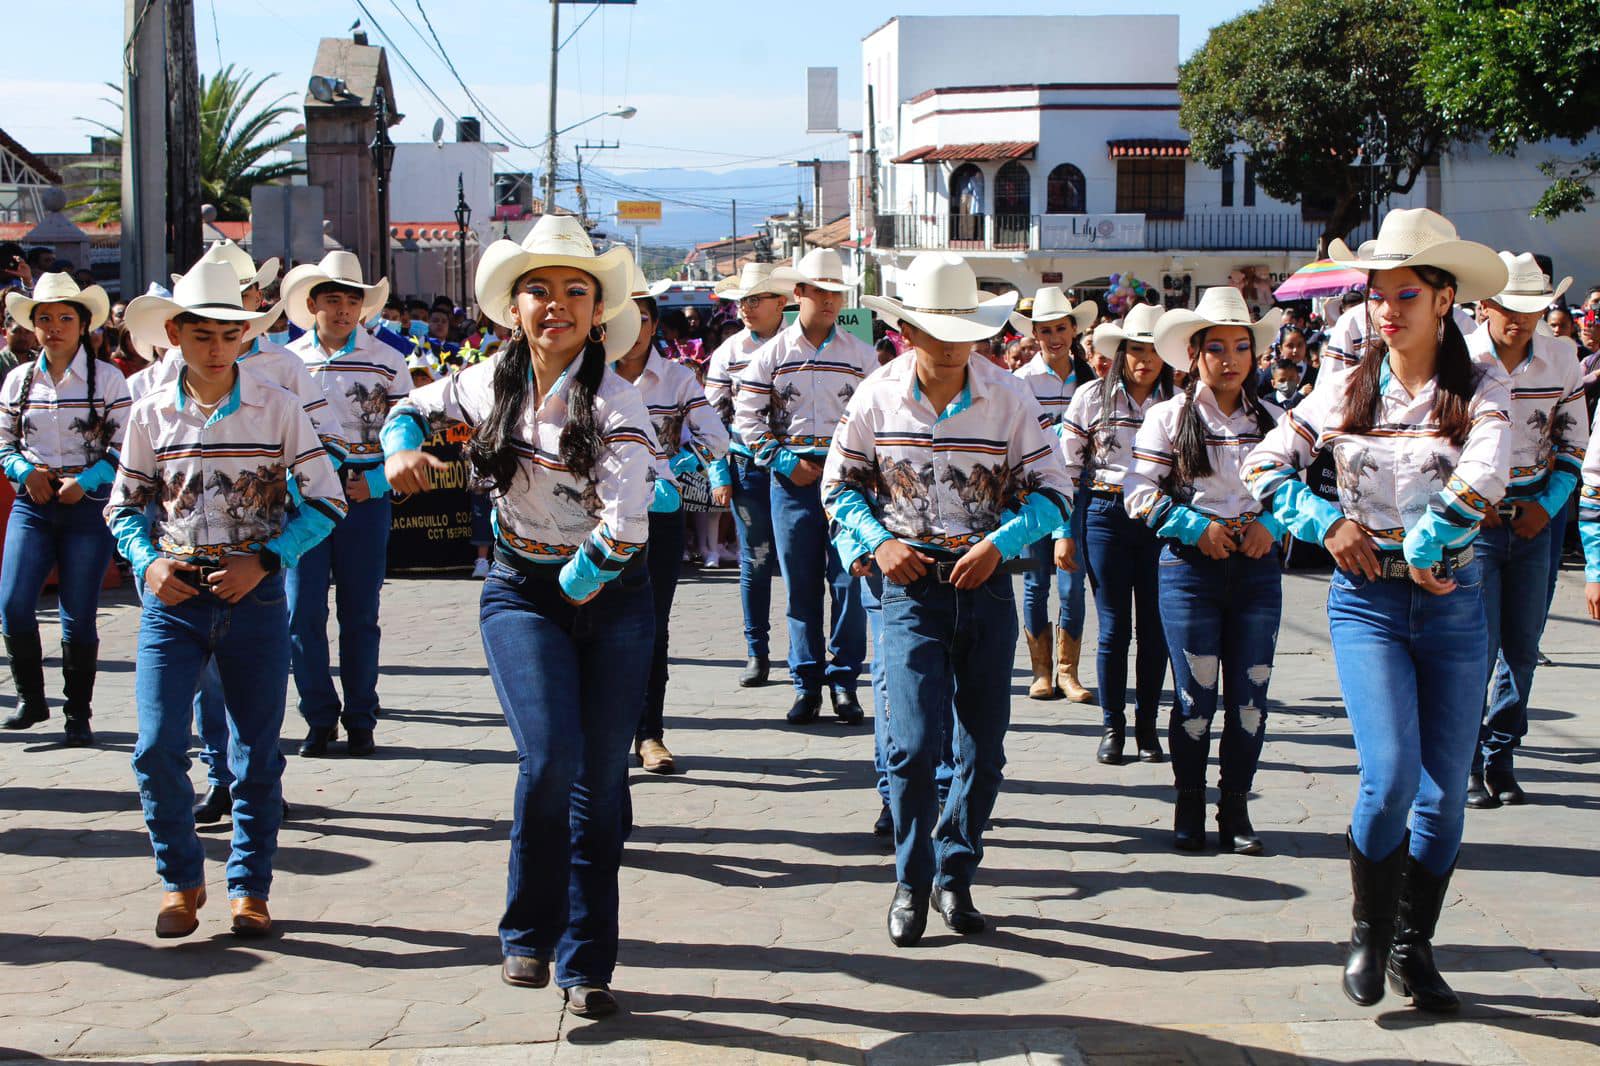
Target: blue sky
{"type": "Point", "coordinates": [718, 84]}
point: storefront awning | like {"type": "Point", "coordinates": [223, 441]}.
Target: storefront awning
{"type": "Point", "coordinates": [984, 152]}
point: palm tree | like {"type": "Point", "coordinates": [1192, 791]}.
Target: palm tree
{"type": "Point", "coordinates": [233, 142]}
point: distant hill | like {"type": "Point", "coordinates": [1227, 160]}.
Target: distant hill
{"type": "Point", "coordinates": [695, 203]}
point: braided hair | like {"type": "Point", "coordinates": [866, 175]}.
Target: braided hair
{"type": "Point", "coordinates": [1191, 459]}
{"type": "Point", "coordinates": [95, 416]}
{"type": "Point", "coordinates": [1117, 376]}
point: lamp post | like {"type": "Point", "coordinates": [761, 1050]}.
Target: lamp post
{"type": "Point", "coordinates": [623, 112]}
{"type": "Point", "coordinates": [463, 216]}
{"type": "Point", "coordinates": [382, 159]}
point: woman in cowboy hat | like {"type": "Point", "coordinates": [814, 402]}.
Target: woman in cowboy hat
{"type": "Point", "coordinates": [62, 419]}
{"type": "Point", "coordinates": [224, 452]}
{"type": "Point", "coordinates": [1054, 374]}
{"type": "Point", "coordinates": [1549, 429]}
{"type": "Point", "coordinates": [1097, 441]}
{"type": "Point", "coordinates": [1220, 577]}
{"type": "Point", "coordinates": [361, 377]}
{"type": "Point", "coordinates": [678, 409]}
{"type": "Point", "coordinates": [949, 617]}
{"type": "Point", "coordinates": [567, 616]}
{"type": "Point", "coordinates": [1421, 442]}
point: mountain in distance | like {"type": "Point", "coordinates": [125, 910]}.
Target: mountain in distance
{"type": "Point", "coordinates": [696, 203]}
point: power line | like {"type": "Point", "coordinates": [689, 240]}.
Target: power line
{"type": "Point", "coordinates": [426, 87]}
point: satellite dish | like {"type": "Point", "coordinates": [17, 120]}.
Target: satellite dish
{"type": "Point", "coordinates": [320, 88]}
{"type": "Point", "coordinates": [438, 130]}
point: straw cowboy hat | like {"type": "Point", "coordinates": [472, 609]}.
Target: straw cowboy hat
{"type": "Point", "coordinates": [644, 289]}
{"type": "Point", "coordinates": [210, 290]}
{"type": "Point", "coordinates": [60, 288]}
{"type": "Point", "coordinates": [249, 275]}
{"type": "Point", "coordinates": [555, 240]}
{"type": "Point", "coordinates": [820, 267]}
{"type": "Point", "coordinates": [341, 268]}
{"type": "Point", "coordinates": [1528, 288]}
{"type": "Point", "coordinates": [1415, 236]}
{"type": "Point", "coordinates": [1221, 305]}
{"type": "Point", "coordinates": [1050, 304]}
{"type": "Point", "coordinates": [753, 279]}
{"type": "Point", "coordinates": [1138, 325]}
{"type": "Point", "coordinates": [939, 295]}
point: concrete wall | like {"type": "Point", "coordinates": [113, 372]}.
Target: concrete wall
{"type": "Point", "coordinates": [422, 183]}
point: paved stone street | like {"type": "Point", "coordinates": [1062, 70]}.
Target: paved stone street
{"type": "Point", "coordinates": [754, 894]}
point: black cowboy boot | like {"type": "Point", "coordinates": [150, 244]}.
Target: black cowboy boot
{"type": "Point", "coordinates": [27, 672]}
{"type": "Point", "coordinates": [1411, 968]}
{"type": "Point", "coordinates": [78, 662]}
{"type": "Point", "coordinates": [1111, 744]}
{"type": "Point", "coordinates": [1189, 820]}
{"type": "Point", "coordinates": [1376, 887]}
{"type": "Point", "coordinates": [1234, 831]}
{"type": "Point", "coordinates": [1147, 738]}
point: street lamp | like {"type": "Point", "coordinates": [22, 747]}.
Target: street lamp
{"type": "Point", "coordinates": [463, 215]}
{"type": "Point", "coordinates": [624, 112]}
{"type": "Point", "coordinates": [382, 160]}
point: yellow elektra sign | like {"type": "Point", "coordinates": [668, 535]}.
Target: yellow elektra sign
{"type": "Point", "coordinates": [638, 212]}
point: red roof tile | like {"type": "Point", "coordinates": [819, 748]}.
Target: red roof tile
{"type": "Point", "coordinates": [1148, 148]}
{"type": "Point", "coordinates": [983, 152]}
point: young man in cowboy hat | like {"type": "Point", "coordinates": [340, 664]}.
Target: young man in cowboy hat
{"type": "Point", "coordinates": [224, 453]}
{"type": "Point", "coordinates": [1550, 428]}
{"type": "Point", "coordinates": [789, 400]}
{"type": "Point", "coordinates": [361, 378]}
{"type": "Point", "coordinates": [761, 300]}
{"type": "Point", "coordinates": [930, 453]}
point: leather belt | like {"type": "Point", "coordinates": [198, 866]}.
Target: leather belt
{"type": "Point", "coordinates": [551, 571]}
{"type": "Point", "coordinates": [944, 565]}
{"type": "Point", "coordinates": [1395, 568]}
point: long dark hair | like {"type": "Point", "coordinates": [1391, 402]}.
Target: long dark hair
{"type": "Point", "coordinates": [89, 357]}
{"type": "Point", "coordinates": [1114, 377]}
{"type": "Point", "coordinates": [1191, 459]}
{"type": "Point", "coordinates": [1454, 373]}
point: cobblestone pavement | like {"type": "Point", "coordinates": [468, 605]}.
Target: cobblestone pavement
{"type": "Point", "coordinates": [754, 894]}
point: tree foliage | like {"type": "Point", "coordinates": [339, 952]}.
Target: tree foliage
{"type": "Point", "coordinates": [1521, 71]}
{"type": "Point", "coordinates": [1312, 88]}
{"type": "Point", "coordinates": [234, 141]}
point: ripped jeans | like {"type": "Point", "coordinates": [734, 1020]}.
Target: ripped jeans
{"type": "Point", "coordinates": [1221, 623]}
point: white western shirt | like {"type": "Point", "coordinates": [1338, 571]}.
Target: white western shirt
{"type": "Point", "coordinates": [1549, 419]}
{"type": "Point", "coordinates": [673, 397]}
{"type": "Point", "coordinates": [791, 395]}
{"type": "Point", "coordinates": [1103, 447]}
{"type": "Point", "coordinates": [722, 380]}
{"type": "Point", "coordinates": [1053, 392]}
{"type": "Point", "coordinates": [361, 382]}
{"type": "Point", "coordinates": [50, 429]}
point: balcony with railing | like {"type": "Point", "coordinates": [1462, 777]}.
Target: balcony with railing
{"type": "Point", "coordinates": [1283, 231]}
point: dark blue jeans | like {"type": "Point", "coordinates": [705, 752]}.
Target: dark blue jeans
{"type": "Point", "coordinates": [947, 647]}
{"type": "Point", "coordinates": [752, 522]}
{"type": "Point", "coordinates": [810, 566]}
{"type": "Point", "coordinates": [571, 682]}
{"type": "Point", "coordinates": [1123, 557]}
{"type": "Point", "coordinates": [665, 561]}
{"type": "Point", "coordinates": [1412, 666]}
{"type": "Point", "coordinates": [1515, 605]}
{"type": "Point", "coordinates": [1220, 618]}
{"type": "Point", "coordinates": [352, 559]}
{"type": "Point", "coordinates": [1036, 581]}
{"type": "Point", "coordinates": [872, 603]}
{"type": "Point", "coordinates": [72, 539]}
{"type": "Point", "coordinates": [210, 717]}
{"type": "Point", "coordinates": [249, 642]}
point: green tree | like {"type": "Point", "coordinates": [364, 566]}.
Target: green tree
{"type": "Point", "coordinates": [1522, 71]}
{"type": "Point", "coordinates": [234, 141]}
{"type": "Point", "coordinates": [1313, 89]}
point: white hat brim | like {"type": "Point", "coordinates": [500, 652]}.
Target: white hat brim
{"type": "Point", "coordinates": [1524, 304]}
{"type": "Point", "coordinates": [622, 332]}
{"type": "Point", "coordinates": [968, 327]}
{"type": "Point", "coordinates": [1083, 314]}
{"type": "Point", "coordinates": [790, 276]}
{"type": "Point", "coordinates": [93, 299]}
{"type": "Point", "coordinates": [728, 288]}
{"type": "Point", "coordinates": [1176, 328]}
{"type": "Point", "coordinates": [146, 319]}
{"type": "Point", "coordinates": [1478, 269]}
{"type": "Point", "coordinates": [297, 286]}
{"type": "Point", "coordinates": [505, 261]}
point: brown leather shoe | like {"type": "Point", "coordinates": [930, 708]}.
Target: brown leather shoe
{"type": "Point", "coordinates": [250, 917]}
{"type": "Point", "coordinates": [1043, 686]}
{"type": "Point", "coordinates": [655, 758]}
{"type": "Point", "coordinates": [177, 916]}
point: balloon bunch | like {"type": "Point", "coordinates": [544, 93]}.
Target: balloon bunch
{"type": "Point", "coordinates": [1125, 292]}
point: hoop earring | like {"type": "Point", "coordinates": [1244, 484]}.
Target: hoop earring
{"type": "Point", "coordinates": [597, 334]}
{"type": "Point", "coordinates": [1439, 338]}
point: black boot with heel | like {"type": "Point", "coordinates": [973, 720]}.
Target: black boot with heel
{"type": "Point", "coordinates": [1376, 886]}
{"type": "Point", "coordinates": [26, 655]}
{"type": "Point", "coordinates": [79, 661]}
{"type": "Point", "coordinates": [1411, 967]}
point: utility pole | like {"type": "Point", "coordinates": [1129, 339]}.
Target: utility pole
{"type": "Point", "coordinates": [184, 235]}
{"type": "Point", "coordinates": [144, 130]}
{"type": "Point", "coordinates": [734, 206]}
{"type": "Point", "coordinates": [550, 147]}
{"type": "Point", "coordinates": [870, 282]}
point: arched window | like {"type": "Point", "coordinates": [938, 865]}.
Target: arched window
{"type": "Point", "coordinates": [1065, 192]}
{"type": "Point", "coordinates": [966, 190]}
{"type": "Point", "coordinates": [1013, 190]}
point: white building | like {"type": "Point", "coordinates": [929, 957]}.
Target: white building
{"type": "Point", "coordinates": [1047, 149]}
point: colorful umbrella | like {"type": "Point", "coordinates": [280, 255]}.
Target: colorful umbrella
{"type": "Point", "coordinates": [1321, 278]}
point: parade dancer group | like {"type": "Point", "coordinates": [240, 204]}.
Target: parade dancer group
{"type": "Point", "coordinates": [243, 482]}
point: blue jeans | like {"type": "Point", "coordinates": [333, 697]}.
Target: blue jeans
{"type": "Point", "coordinates": [1412, 666]}
{"type": "Point", "coordinates": [948, 647]}
{"type": "Point", "coordinates": [664, 563]}
{"type": "Point", "coordinates": [1558, 543]}
{"type": "Point", "coordinates": [752, 522]}
{"type": "Point", "coordinates": [1122, 556]}
{"type": "Point", "coordinates": [1515, 605]}
{"type": "Point", "coordinates": [1069, 586]}
{"type": "Point", "coordinates": [352, 558]}
{"type": "Point", "coordinates": [1221, 622]}
{"type": "Point", "coordinates": [250, 644]}
{"type": "Point", "coordinates": [944, 773]}
{"type": "Point", "coordinates": [72, 539]}
{"type": "Point", "coordinates": [210, 716]}
{"type": "Point", "coordinates": [571, 682]}
{"type": "Point", "coordinates": [809, 564]}
{"type": "Point", "coordinates": [482, 534]}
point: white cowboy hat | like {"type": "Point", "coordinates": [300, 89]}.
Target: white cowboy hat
{"type": "Point", "coordinates": [1050, 304]}
{"type": "Point", "coordinates": [226, 251]}
{"type": "Point", "coordinates": [1220, 305]}
{"type": "Point", "coordinates": [1415, 236]}
{"type": "Point", "coordinates": [939, 295]}
{"type": "Point", "coordinates": [341, 268]}
{"type": "Point", "coordinates": [60, 288]}
{"type": "Point", "coordinates": [555, 240]}
{"type": "Point", "coordinates": [1138, 325]}
{"type": "Point", "coordinates": [753, 279]}
{"type": "Point", "coordinates": [646, 289]}
{"type": "Point", "coordinates": [210, 290]}
{"type": "Point", "coordinates": [821, 267]}
{"type": "Point", "coordinates": [1528, 288]}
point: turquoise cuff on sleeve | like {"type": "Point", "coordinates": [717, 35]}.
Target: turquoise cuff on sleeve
{"type": "Point", "coordinates": [685, 461]}
{"type": "Point", "coordinates": [1303, 513]}
{"type": "Point", "coordinates": [16, 467]}
{"type": "Point", "coordinates": [98, 476]}
{"type": "Point", "coordinates": [131, 529]}
{"type": "Point", "coordinates": [307, 527]}
{"type": "Point", "coordinates": [377, 481]}
{"type": "Point", "coordinates": [851, 510]}
{"type": "Point", "coordinates": [579, 577]}
{"type": "Point", "coordinates": [1269, 521]}
{"type": "Point", "coordinates": [1035, 519]}
{"type": "Point", "coordinates": [849, 547]}
{"type": "Point", "coordinates": [719, 475]}
{"type": "Point", "coordinates": [1428, 540]}
{"type": "Point", "coordinates": [1185, 525]}
{"type": "Point", "coordinates": [1589, 533]}
{"type": "Point", "coordinates": [1558, 489]}
{"type": "Point", "coordinates": [784, 461]}
{"type": "Point", "coordinates": [666, 499]}
{"type": "Point", "coordinates": [401, 434]}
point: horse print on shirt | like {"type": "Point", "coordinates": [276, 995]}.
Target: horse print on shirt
{"type": "Point", "coordinates": [253, 501]}
{"type": "Point", "coordinates": [575, 511]}
{"type": "Point", "coordinates": [907, 494]}
{"type": "Point", "coordinates": [1353, 464]}
{"type": "Point", "coordinates": [181, 503]}
{"type": "Point", "coordinates": [96, 433]}
{"type": "Point", "coordinates": [1439, 467]}
{"type": "Point", "coordinates": [982, 491]}
{"type": "Point", "coordinates": [669, 431]}
{"type": "Point", "coordinates": [779, 417]}
{"type": "Point", "coordinates": [371, 403]}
